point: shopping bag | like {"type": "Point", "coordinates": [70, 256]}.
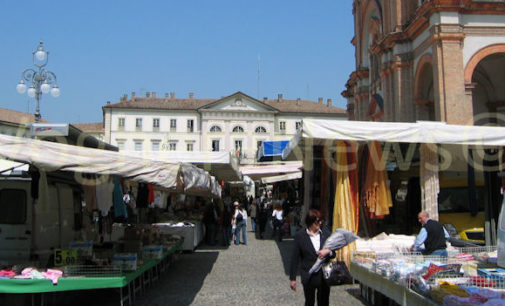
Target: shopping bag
{"type": "Point", "coordinates": [336, 273]}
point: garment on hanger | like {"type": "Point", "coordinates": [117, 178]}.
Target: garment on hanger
{"type": "Point", "coordinates": [142, 196]}
{"type": "Point", "coordinates": [119, 206]}
{"type": "Point", "coordinates": [104, 196]}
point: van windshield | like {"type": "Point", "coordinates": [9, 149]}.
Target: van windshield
{"type": "Point", "coordinates": [12, 206]}
{"type": "Point", "coordinates": [455, 199]}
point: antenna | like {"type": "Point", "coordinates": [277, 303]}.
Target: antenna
{"type": "Point", "coordinates": [258, 81]}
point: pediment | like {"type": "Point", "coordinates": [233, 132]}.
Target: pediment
{"type": "Point", "coordinates": [239, 102]}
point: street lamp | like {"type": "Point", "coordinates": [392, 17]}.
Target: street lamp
{"type": "Point", "coordinates": [40, 79]}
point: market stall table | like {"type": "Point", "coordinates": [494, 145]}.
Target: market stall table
{"type": "Point", "coordinates": [192, 232]}
{"type": "Point", "coordinates": [400, 294]}
{"type": "Point", "coordinates": [143, 272]}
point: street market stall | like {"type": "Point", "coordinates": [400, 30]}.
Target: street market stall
{"type": "Point", "coordinates": [53, 226]}
{"type": "Point", "coordinates": [362, 181]}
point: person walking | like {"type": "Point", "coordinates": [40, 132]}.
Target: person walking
{"type": "Point", "coordinates": [211, 220]}
{"type": "Point", "coordinates": [307, 248]}
{"type": "Point", "coordinates": [253, 210]}
{"type": "Point", "coordinates": [226, 224]}
{"type": "Point", "coordinates": [277, 221]}
{"type": "Point", "coordinates": [262, 218]}
{"type": "Point", "coordinates": [433, 235]}
{"type": "Point", "coordinates": [240, 219]}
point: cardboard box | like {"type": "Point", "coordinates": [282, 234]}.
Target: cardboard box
{"type": "Point", "coordinates": [152, 252]}
{"type": "Point", "coordinates": [125, 261]}
{"type": "Point", "coordinates": [84, 248]}
{"type": "Point", "coordinates": [494, 274]}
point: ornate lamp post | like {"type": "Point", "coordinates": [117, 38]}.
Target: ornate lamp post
{"type": "Point", "coordinates": [40, 79]}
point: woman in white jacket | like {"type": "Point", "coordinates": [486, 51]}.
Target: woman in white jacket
{"type": "Point", "coordinates": [240, 223]}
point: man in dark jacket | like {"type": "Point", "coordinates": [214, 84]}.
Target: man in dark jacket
{"type": "Point", "coordinates": [433, 235]}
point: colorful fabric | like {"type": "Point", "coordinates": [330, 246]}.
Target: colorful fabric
{"type": "Point", "coordinates": [377, 195]}
{"type": "Point", "coordinates": [345, 209]}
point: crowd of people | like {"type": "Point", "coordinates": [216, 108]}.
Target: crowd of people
{"type": "Point", "coordinates": [233, 219]}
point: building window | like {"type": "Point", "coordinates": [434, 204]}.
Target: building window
{"type": "Point", "coordinates": [260, 130]}
{"type": "Point", "coordinates": [138, 145]}
{"type": "Point", "coordinates": [189, 147]}
{"type": "Point", "coordinates": [138, 123]}
{"type": "Point", "coordinates": [282, 126]}
{"type": "Point", "coordinates": [120, 145]}
{"type": "Point", "coordinates": [238, 129]}
{"type": "Point", "coordinates": [190, 125]}
{"type": "Point", "coordinates": [156, 124]}
{"type": "Point", "coordinates": [172, 146]}
{"type": "Point", "coordinates": [120, 124]}
{"type": "Point", "coordinates": [155, 146]}
{"type": "Point", "coordinates": [215, 145]}
{"type": "Point", "coordinates": [238, 145]}
{"type": "Point", "coordinates": [173, 125]}
{"type": "Point", "coordinates": [215, 129]}
{"type": "Point", "coordinates": [298, 125]}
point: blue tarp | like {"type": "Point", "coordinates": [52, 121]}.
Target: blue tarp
{"type": "Point", "coordinates": [271, 149]}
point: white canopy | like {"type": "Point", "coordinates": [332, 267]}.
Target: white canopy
{"type": "Point", "coordinates": [223, 165]}
{"type": "Point", "coordinates": [281, 178]}
{"type": "Point", "coordinates": [51, 156]}
{"type": "Point", "coordinates": [257, 172]}
{"type": "Point", "coordinates": [320, 132]}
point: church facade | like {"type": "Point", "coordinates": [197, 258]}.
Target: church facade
{"type": "Point", "coordinates": [438, 60]}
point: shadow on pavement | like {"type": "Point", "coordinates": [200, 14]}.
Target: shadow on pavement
{"type": "Point", "coordinates": [183, 280]}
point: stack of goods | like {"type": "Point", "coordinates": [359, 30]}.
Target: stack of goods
{"type": "Point", "coordinates": [19, 272]}
{"type": "Point", "coordinates": [460, 279]}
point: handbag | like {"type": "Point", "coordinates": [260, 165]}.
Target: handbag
{"type": "Point", "coordinates": [336, 273]}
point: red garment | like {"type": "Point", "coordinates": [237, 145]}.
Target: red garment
{"type": "Point", "coordinates": [150, 197]}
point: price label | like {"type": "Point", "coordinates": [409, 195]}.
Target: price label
{"type": "Point", "coordinates": [65, 257]}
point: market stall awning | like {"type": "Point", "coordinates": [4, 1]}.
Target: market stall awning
{"type": "Point", "coordinates": [222, 165]}
{"type": "Point", "coordinates": [281, 178]}
{"type": "Point", "coordinates": [258, 172]}
{"type": "Point", "coordinates": [270, 150]}
{"type": "Point", "coordinates": [326, 132]}
{"type": "Point", "coordinates": [51, 156]}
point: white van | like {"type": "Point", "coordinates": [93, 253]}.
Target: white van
{"type": "Point", "coordinates": [30, 230]}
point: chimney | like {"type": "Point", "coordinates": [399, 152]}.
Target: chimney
{"type": "Point", "coordinates": [191, 95]}
{"type": "Point", "coordinates": [298, 101]}
{"type": "Point", "coordinates": [279, 98]}
{"type": "Point", "coordinates": [147, 94]}
{"type": "Point", "coordinates": [329, 102]}
{"type": "Point", "coordinates": [125, 97]}
{"type": "Point", "coordinates": [154, 95]}
{"type": "Point", "coordinates": [320, 100]}
{"type": "Point", "coordinates": [108, 102]}
{"type": "Point", "coordinates": [172, 95]}
{"type": "Point", "coordinates": [265, 99]}
{"type": "Point", "coordinates": [166, 96]}
{"type": "Point", "coordinates": [133, 96]}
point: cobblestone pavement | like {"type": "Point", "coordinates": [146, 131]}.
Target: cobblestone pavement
{"type": "Point", "coordinates": [252, 274]}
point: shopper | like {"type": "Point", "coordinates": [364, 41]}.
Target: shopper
{"type": "Point", "coordinates": [307, 248]}
{"type": "Point", "coordinates": [433, 235]}
{"type": "Point", "coordinates": [277, 221]}
{"type": "Point", "coordinates": [262, 218]}
{"type": "Point", "coordinates": [253, 210]}
{"type": "Point", "coordinates": [226, 224]}
{"type": "Point", "coordinates": [211, 220]}
{"type": "Point", "coordinates": [240, 219]}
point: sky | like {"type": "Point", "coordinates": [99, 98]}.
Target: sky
{"type": "Point", "coordinates": [101, 50]}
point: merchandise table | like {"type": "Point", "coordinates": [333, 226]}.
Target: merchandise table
{"type": "Point", "coordinates": [400, 294]}
{"type": "Point", "coordinates": [145, 273]}
{"type": "Point", "coordinates": [192, 235]}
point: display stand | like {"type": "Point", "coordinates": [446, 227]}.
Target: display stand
{"type": "Point", "coordinates": [192, 235]}
{"type": "Point", "coordinates": [370, 282]}
{"type": "Point", "coordinates": [128, 283]}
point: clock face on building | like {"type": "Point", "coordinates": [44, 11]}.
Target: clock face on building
{"type": "Point", "coordinates": [238, 102]}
